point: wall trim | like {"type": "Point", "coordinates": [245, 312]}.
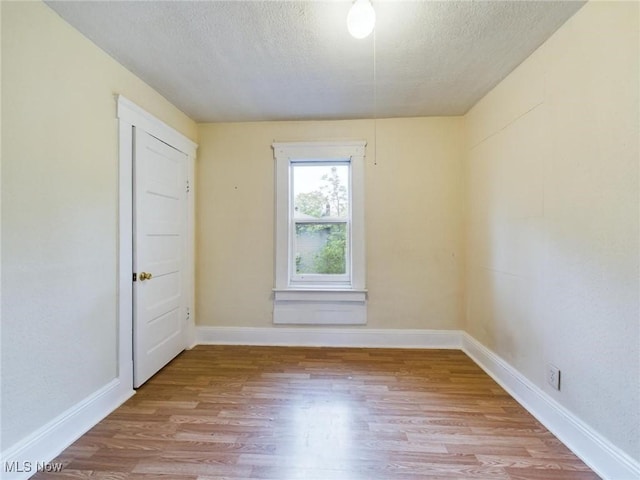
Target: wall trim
{"type": "Point", "coordinates": [329, 337]}
{"type": "Point", "coordinates": [597, 452]}
{"type": "Point", "coordinates": [352, 152]}
{"type": "Point", "coordinates": [132, 114]}
{"type": "Point", "coordinates": [50, 440]}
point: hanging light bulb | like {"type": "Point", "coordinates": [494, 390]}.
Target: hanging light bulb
{"type": "Point", "coordinates": [361, 19]}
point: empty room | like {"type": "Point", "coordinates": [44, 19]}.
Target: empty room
{"type": "Point", "coordinates": [328, 240]}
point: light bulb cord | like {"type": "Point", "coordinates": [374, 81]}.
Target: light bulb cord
{"type": "Point", "coordinates": [375, 100]}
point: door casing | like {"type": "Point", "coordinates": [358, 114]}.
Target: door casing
{"type": "Point", "coordinates": [130, 115]}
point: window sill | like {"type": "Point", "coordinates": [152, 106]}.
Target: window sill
{"type": "Point", "coordinates": [320, 294]}
{"type": "Point", "coordinates": [320, 306]}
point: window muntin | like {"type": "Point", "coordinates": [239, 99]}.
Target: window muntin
{"type": "Point", "coordinates": [320, 222]}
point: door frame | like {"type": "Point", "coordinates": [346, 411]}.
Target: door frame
{"type": "Point", "coordinates": [131, 115]}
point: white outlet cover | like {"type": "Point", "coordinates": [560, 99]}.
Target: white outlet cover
{"type": "Point", "coordinates": [553, 376]}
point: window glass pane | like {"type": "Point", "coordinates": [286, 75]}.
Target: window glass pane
{"type": "Point", "coordinates": [321, 248]}
{"type": "Point", "coordinates": [320, 191]}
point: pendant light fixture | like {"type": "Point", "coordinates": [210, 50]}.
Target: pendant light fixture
{"type": "Point", "coordinates": [361, 19]}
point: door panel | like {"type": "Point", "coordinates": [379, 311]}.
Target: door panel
{"type": "Point", "coordinates": [160, 213]}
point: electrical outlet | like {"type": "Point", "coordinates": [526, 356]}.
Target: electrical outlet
{"type": "Point", "coordinates": [553, 376]}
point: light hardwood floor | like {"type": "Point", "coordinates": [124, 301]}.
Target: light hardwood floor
{"type": "Point", "coordinates": [230, 412]}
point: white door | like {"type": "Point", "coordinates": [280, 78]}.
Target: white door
{"type": "Point", "coordinates": [159, 246]}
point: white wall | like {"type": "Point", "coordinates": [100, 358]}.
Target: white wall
{"type": "Point", "coordinates": [413, 210]}
{"type": "Point", "coordinates": [59, 214]}
{"type": "Point", "coordinates": [553, 219]}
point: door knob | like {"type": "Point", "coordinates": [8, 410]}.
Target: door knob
{"type": "Point", "coordinates": [145, 276]}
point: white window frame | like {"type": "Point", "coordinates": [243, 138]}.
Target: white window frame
{"type": "Point", "coordinates": [319, 299]}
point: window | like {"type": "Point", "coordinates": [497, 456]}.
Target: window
{"type": "Point", "coordinates": [319, 233]}
{"type": "Point", "coordinates": [320, 220]}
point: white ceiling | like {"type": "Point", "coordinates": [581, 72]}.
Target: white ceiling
{"type": "Point", "coordinates": [285, 60]}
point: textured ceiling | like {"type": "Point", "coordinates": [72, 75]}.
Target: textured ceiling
{"type": "Point", "coordinates": [277, 60]}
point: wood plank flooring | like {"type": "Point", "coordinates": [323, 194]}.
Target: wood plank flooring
{"type": "Point", "coordinates": [234, 413]}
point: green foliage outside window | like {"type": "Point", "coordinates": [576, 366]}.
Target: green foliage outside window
{"type": "Point", "coordinates": [330, 200]}
{"type": "Point", "coordinates": [331, 259]}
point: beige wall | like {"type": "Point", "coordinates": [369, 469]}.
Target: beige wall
{"type": "Point", "coordinates": [553, 213]}
{"type": "Point", "coordinates": [412, 208]}
{"type": "Point", "coordinates": [59, 213]}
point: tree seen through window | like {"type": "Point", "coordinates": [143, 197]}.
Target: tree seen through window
{"type": "Point", "coordinates": [321, 212]}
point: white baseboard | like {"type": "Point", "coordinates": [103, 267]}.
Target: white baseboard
{"type": "Point", "coordinates": [329, 337]}
{"type": "Point", "coordinates": [598, 453]}
{"type": "Point", "coordinates": [20, 461]}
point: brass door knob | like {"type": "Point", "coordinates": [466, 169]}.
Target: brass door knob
{"type": "Point", "coordinates": [145, 276]}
